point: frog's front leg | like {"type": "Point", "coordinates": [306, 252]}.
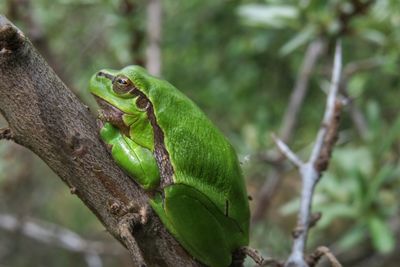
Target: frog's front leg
{"type": "Point", "coordinates": [136, 160]}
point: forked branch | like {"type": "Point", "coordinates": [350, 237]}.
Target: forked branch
{"type": "Point", "coordinates": [311, 170]}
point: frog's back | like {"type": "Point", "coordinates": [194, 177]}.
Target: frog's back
{"type": "Point", "coordinates": [206, 160]}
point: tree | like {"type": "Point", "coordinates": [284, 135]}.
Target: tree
{"type": "Point", "coordinates": [59, 128]}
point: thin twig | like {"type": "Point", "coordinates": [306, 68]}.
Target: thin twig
{"type": "Point", "coordinates": [285, 150]}
{"type": "Point", "coordinates": [258, 259]}
{"type": "Point", "coordinates": [361, 65]}
{"type": "Point", "coordinates": [319, 253]}
{"type": "Point", "coordinates": [56, 235]}
{"type": "Point", "coordinates": [311, 170]}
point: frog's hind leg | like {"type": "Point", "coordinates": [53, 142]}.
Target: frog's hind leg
{"type": "Point", "coordinates": [187, 215]}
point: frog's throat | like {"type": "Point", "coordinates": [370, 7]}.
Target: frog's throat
{"type": "Point", "coordinates": [160, 152]}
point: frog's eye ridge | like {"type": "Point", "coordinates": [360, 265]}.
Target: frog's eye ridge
{"type": "Point", "coordinates": [106, 75]}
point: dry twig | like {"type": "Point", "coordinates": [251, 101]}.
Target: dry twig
{"type": "Point", "coordinates": [314, 258]}
{"type": "Point", "coordinates": [258, 259]}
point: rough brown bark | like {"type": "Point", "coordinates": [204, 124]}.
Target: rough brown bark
{"type": "Point", "coordinates": [46, 117]}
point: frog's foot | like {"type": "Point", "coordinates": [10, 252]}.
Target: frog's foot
{"type": "Point", "coordinates": [6, 133]}
{"type": "Point", "coordinates": [137, 215]}
{"type": "Point", "coordinates": [113, 115]}
{"type": "Point", "coordinates": [141, 214]}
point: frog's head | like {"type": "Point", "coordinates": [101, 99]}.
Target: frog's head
{"type": "Point", "coordinates": [120, 92]}
{"type": "Point", "coordinates": [120, 88]}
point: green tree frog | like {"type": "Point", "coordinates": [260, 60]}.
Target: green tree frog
{"type": "Point", "coordinates": [168, 146]}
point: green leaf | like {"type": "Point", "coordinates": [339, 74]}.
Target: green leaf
{"type": "Point", "coordinates": [351, 159]}
{"type": "Point", "coordinates": [376, 184]}
{"type": "Point", "coordinates": [290, 207]}
{"type": "Point", "coordinates": [382, 237]}
{"type": "Point", "coordinates": [374, 119]}
{"type": "Point", "coordinates": [361, 191]}
{"type": "Point", "coordinates": [268, 15]}
{"type": "Point", "coordinates": [298, 40]}
{"type": "Point", "coordinates": [352, 238]}
{"type": "Point", "coordinates": [336, 211]}
{"type": "Point", "coordinates": [391, 137]}
{"type": "Point", "coordinates": [374, 36]}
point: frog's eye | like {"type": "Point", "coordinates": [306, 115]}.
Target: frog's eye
{"type": "Point", "coordinates": [122, 81]}
{"type": "Point", "coordinates": [121, 85]}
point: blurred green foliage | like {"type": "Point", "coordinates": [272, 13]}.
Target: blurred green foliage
{"type": "Point", "coordinates": [238, 60]}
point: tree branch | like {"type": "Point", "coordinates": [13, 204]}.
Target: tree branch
{"type": "Point", "coordinates": [311, 170]}
{"type": "Point", "coordinates": [46, 117]}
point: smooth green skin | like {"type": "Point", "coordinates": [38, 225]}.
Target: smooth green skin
{"type": "Point", "coordinates": [207, 180]}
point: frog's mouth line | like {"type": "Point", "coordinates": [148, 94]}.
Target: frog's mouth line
{"type": "Point", "coordinates": [107, 108]}
{"type": "Point", "coordinates": [111, 114]}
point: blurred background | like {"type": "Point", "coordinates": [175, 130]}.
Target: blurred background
{"type": "Point", "coordinates": [255, 68]}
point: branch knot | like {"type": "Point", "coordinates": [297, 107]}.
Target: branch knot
{"type": "Point", "coordinates": [11, 39]}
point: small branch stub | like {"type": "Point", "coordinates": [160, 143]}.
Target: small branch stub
{"type": "Point", "coordinates": [11, 39]}
{"type": "Point", "coordinates": [287, 152]}
{"type": "Point", "coordinates": [126, 227]}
